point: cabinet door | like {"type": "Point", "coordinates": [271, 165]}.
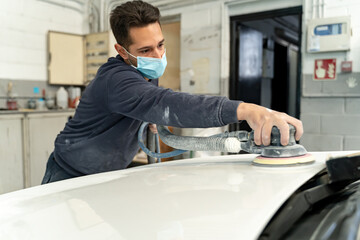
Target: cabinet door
{"type": "Point", "coordinates": [43, 129]}
{"type": "Point", "coordinates": [66, 58]}
{"type": "Point", "coordinates": [97, 53]}
{"type": "Point", "coordinates": [11, 153]}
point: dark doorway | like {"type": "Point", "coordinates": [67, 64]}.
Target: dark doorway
{"type": "Point", "coordinates": [280, 85]}
{"type": "Point", "coordinates": [265, 60]}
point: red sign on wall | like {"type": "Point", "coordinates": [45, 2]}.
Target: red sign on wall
{"type": "Point", "coordinates": [325, 69]}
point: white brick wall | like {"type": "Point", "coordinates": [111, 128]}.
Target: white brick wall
{"type": "Point", "coordinates": [320, 142]}
{"type": "Point", "coordinates": [351, 143]}
{"type": "Point", "coordinates": [334, 8]}
{"type": "Point", "coordinates": [311, 123]}
{"type": "Point", "coordinates": [352, 106]}
{"type": "Point", "coordinates": [347, 125]}
{"type": "Point", "coordinates": [334, 106]}
{"type": "Point", "coordinates": [23, 43]}
{"type": "Point", "coordinates": [331, 118]}
{"type": "Point", "coordinates": [332, 123]}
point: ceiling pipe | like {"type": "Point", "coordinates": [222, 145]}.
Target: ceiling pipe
{"type": "Point", "coordinates": [109, 5]}
{"type": "Point", "coordinates": [80, 10]}
{"type": "Point", "coordinates": [94, 18]}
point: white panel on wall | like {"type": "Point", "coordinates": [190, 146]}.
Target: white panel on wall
{"type": "Point", "coordinates": [200, 69]}
{"type": "Point", "coordinates": [332, 106]}
{"type": "Point", "coordinates": [200, 51]}
{"type": "Point", "coordinates": [334, 8]}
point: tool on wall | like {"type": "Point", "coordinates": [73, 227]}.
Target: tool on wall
{"type": "Point", "coordinates": [273, 155]}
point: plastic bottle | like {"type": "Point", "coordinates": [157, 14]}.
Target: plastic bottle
{"type": "Point", "coordinates": [74, 96]}
{"type": "Point", "coordinates": [78, 95]}
{"type": "Point", "coordinates": [40, 104]}
{"type": "Point", "coordinates": [62, 98]}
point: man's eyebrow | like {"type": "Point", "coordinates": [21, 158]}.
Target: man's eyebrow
{"type": "Point", "coordinates": [147, 47]}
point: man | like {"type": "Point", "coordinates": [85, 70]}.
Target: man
{"type": "Point", "coordinates": [102, 135]}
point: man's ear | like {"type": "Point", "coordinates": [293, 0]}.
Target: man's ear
{"type": "Point", "coordinates": [121, 51]}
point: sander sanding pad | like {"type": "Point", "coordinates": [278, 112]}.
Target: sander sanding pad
{"type": "Point", "coordinates": [304, 159]}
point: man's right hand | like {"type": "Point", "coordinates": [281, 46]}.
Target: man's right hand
{"type": "Point", "coordinates": [262, 119]}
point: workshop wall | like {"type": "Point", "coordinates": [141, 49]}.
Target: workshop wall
{"type": "Point", "coordinates": [23, 44]}
{"type": "Point", "coordinates": [200, 46]}
{"type": "Point", "coordinates": [200, 54]}
{"type": "Point", "coordinates": [24, 27]}
{"type": "Point", "coordinates": [330, 110]}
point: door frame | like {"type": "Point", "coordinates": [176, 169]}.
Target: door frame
{"type": "Point", "coordinates": [234, 47]}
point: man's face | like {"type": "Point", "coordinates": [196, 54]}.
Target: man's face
{"type": "Point", "coordinates": [147, 41]}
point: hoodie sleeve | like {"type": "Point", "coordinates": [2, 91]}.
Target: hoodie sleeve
{"type": "Point", "coordinates": [133, 96]}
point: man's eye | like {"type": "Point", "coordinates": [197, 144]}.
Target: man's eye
{"type": "Point", "coordinates": [161, 45]}
{"type": "Point", "coordinates": [145, 51]}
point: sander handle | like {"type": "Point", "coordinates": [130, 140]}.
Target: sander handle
{"type": "Point", "coordinates": [276, 136]}
{"type": "Point", "coordinates": [275, 149]}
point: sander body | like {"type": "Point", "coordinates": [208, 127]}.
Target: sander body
{"type": "Point", "coordinates": [277, 154]}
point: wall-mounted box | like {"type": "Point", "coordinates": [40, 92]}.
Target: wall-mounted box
{"type": "Point", "coordinates": [329, 34]}
{"type": "Point", "coordinates": [74, 59]}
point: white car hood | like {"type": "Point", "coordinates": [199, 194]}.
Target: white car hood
{"type": "Point", "coordinates": [214, 198]}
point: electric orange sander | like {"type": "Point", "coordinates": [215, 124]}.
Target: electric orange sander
{"type": "Point", "coordinates": [273, 155]}
{"type": "Point", "coordinates": [276, 154]}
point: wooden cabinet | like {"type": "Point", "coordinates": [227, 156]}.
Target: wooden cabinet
{"type": "Point", "coordinates": [42, 131]}
{"type": "Point", "coordinates": [74, 59]}
{"type": "Point", "coordinates": [27, 140]}
{"type": "Point", "coordinates": [66, 62]}
{"type": "Point", "coordinates": [11, 153]}
{"type": "Point", "coordinates": [99, 47]}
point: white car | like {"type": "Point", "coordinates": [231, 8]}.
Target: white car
{"type": "Point", "coordinates": [223, 197]}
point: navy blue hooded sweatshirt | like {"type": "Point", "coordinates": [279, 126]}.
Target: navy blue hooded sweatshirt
{"type": "Point", "coordinates": [102, 135]}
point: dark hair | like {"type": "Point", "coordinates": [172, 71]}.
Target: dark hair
{"type": "Point", "coordinates": [131, 14]}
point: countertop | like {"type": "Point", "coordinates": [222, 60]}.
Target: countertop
{"type": "Point", "coordinates": [31, 111]}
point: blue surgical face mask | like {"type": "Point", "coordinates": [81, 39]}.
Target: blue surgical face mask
{"type": "Point", "coordinates": [150, 67]}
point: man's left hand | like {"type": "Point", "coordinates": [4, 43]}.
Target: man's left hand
{"type": "Point", "coordinates": [153, 128]}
